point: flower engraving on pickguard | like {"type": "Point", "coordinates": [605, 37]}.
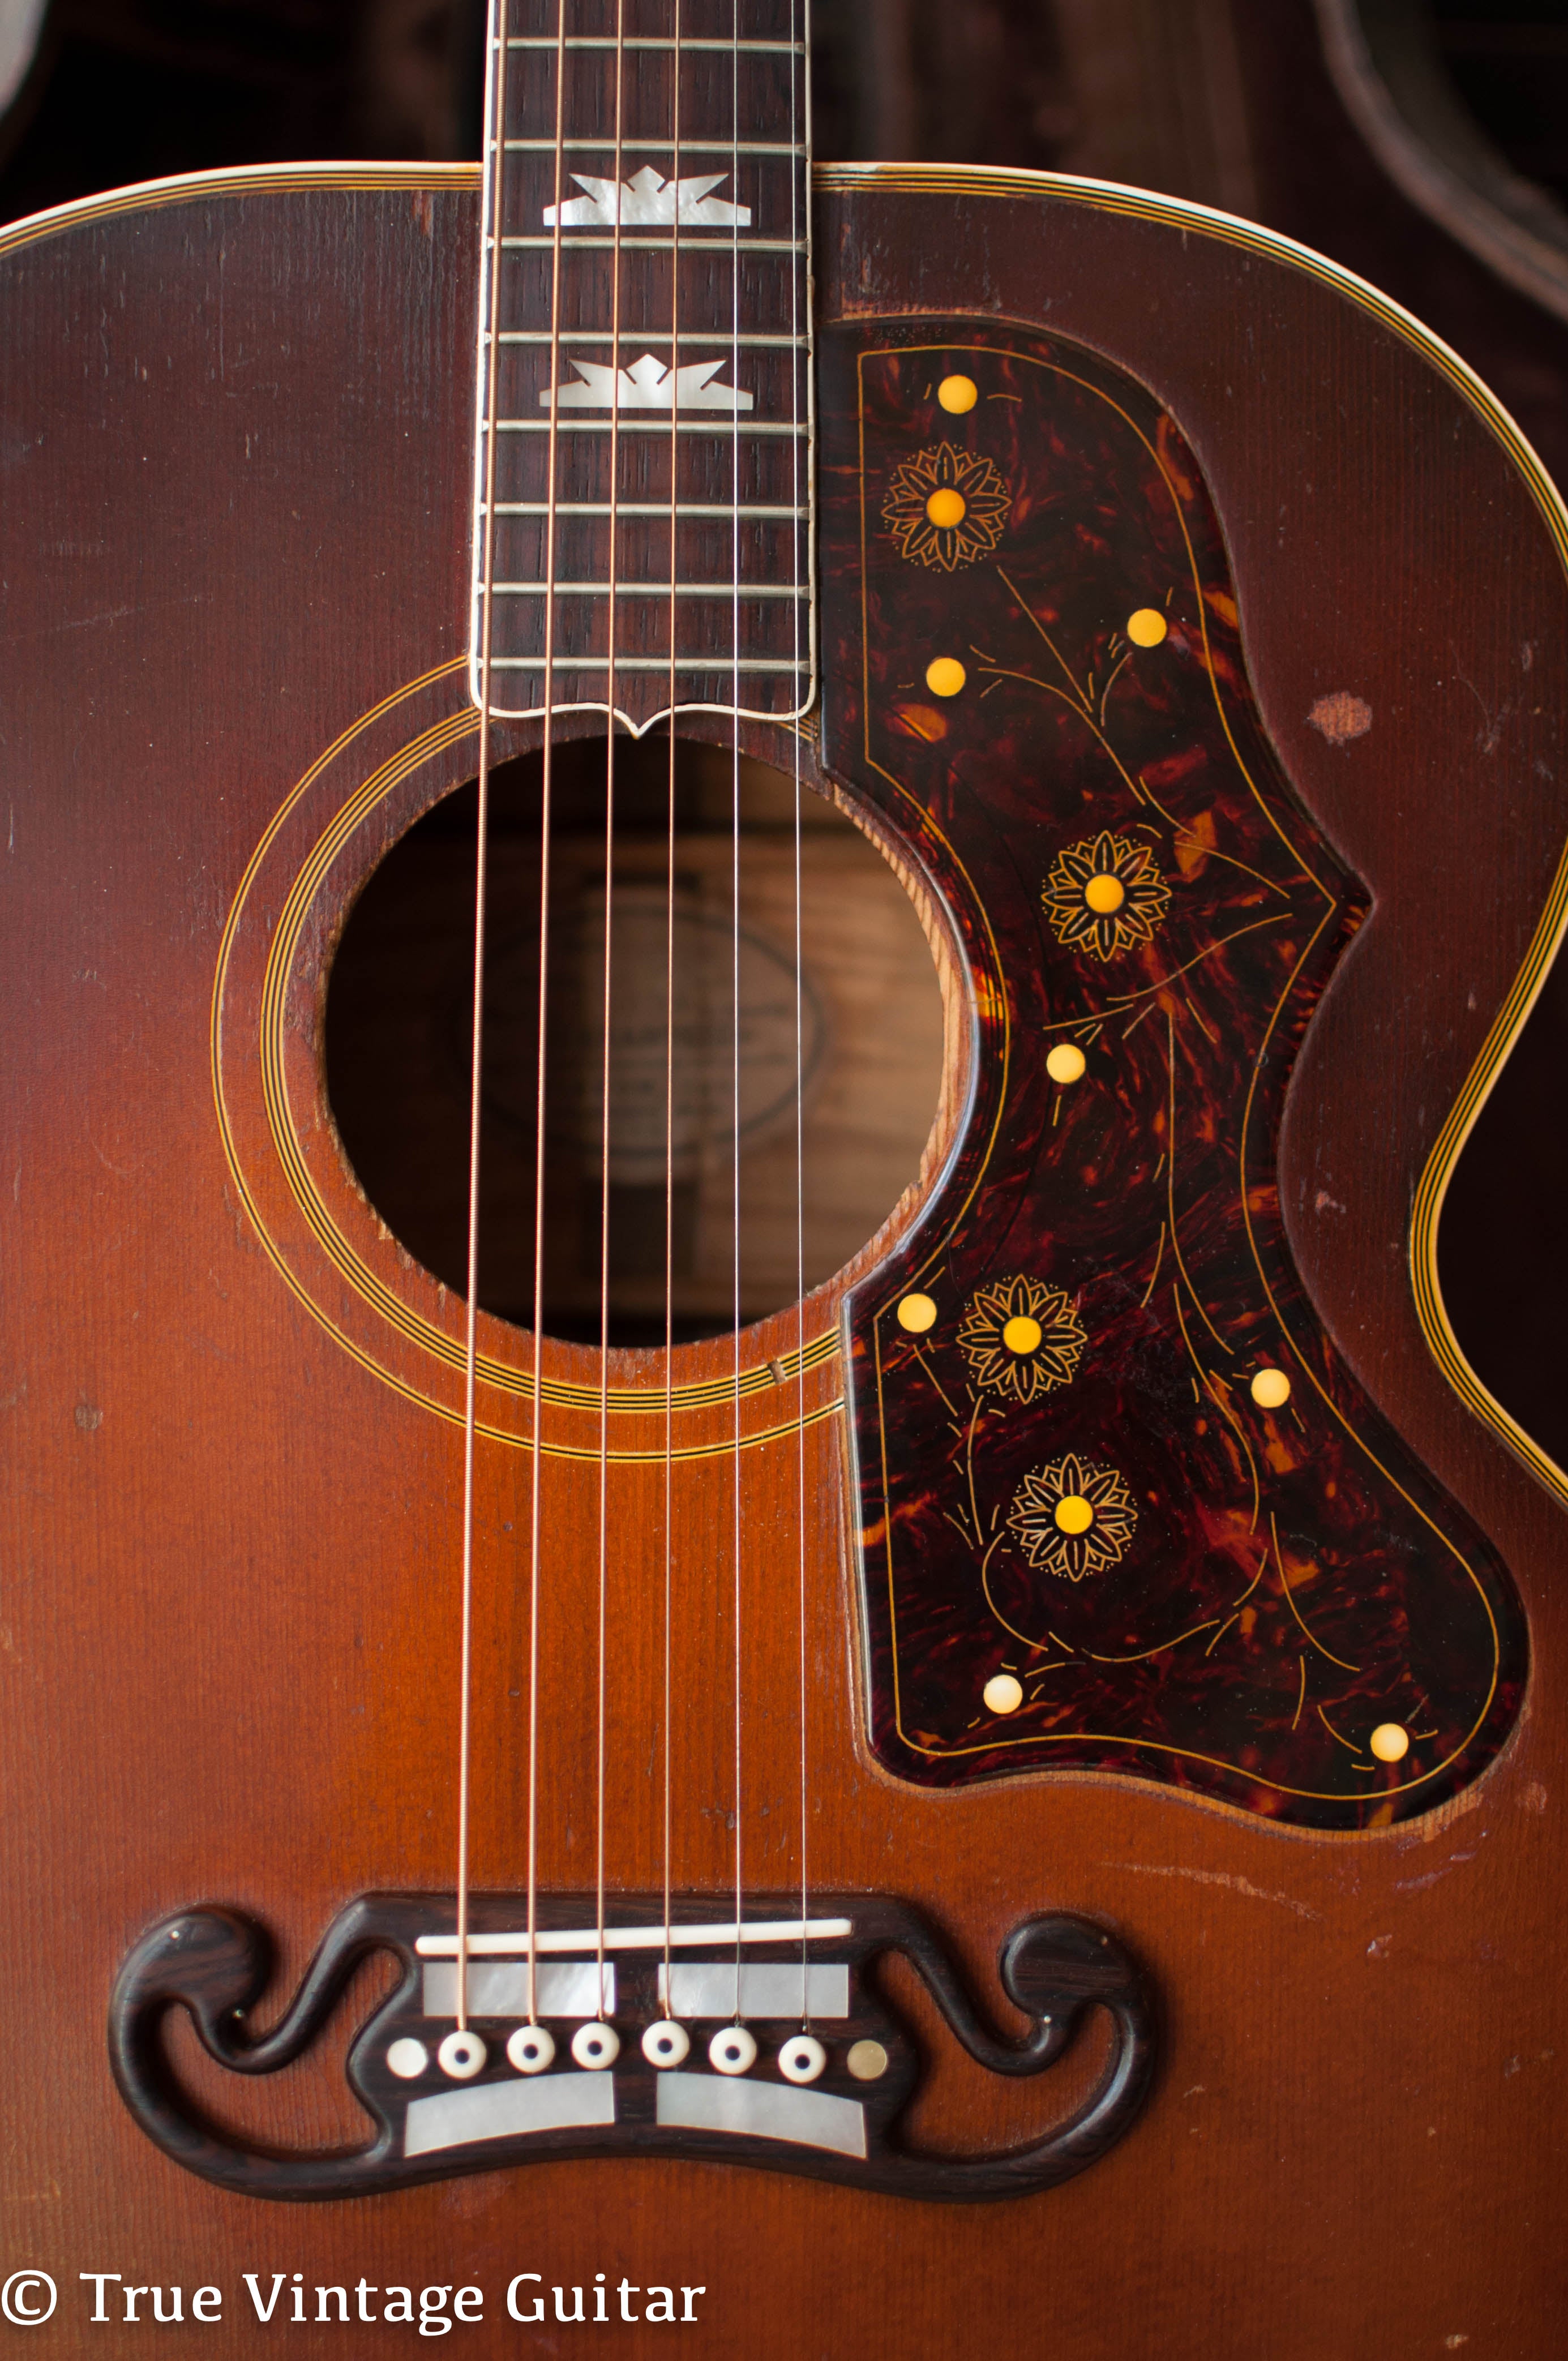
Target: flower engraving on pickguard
{"type": "Point", "coordinates": [1021, 1338]}
{"type": "Point", "coordinates": [1105, 895]}
{"type": "Point", "coordinates": [945, 508]}
{"type": "Point", "coordinates": [1073, 1518]}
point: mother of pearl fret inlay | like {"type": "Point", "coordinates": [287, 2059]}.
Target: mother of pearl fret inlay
{"type": "Point", "coordinates": [648, 384]}
{"type": "Point", "coordinates": [648, 199]}
{"type": "Point", "coordinates": [646, 221]}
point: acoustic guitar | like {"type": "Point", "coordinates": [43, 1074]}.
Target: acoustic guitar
{"type": "Point", "coordinates": [749, 1581]}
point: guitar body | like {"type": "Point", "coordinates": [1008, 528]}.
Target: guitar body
{"type": "Point", "coordinates": [238, 463]}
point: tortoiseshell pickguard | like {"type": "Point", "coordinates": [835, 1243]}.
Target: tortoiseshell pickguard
{"type": "Point", "coordinates": [1236, 1597]}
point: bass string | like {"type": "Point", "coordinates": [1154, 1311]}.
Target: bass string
{"type": "Point", "coordinates": [536, 1455]}
{"type": "Point", "coordinates": [799, 91]}
{"type": "Point", "coordinates": [612, 605]}
{"type": "Point", "coordinates": [670, 1009]}
{"type": "Point", "coordinates": [494, 193]}
{"type": "Point", "coordinates": [735, 1539]}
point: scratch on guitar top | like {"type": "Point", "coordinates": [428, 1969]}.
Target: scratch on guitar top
{"type": "Point", "coordinates": [1216, 1877]}
{"type": "Point", "coordinates": [120, 1171]}
{"type": "Point", "coordinates": [1417, 1884]}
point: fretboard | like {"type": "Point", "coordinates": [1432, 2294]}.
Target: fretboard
{"type": "Point", "coordinates": [649, 542]}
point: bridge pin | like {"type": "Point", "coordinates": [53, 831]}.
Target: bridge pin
{"type": "Point", "coordinates": [408, 2058]}
{"type": "Point", "coordinates": [461, 2055]}
{"type": "Point", "coordinates": [531, 2049]}
{"type": "Point", "coordinates": [666, 2043]}
{"type": "Point", "coordinates": [732, 2050]}
{"type": "Point", "coordinates": [596, 2046]}
{"type": "Point", "coordinates": [802, 2059]}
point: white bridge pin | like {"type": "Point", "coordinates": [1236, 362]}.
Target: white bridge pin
{"type": "Point", "coordinates": [802, 2059]}
{"type": "Point", "coordinates": [408, 2058]}
{"type": "Point", "coordinates": [596, 2045]}
{"type": "Point", "coordinates": [461, 2055]}
{"type": "Point", "coordinates": [531, 2049]}
{"type": "Point", "coordinates": [732, 2050]}
{"type": "Point", "coordinates": [666, 2043]}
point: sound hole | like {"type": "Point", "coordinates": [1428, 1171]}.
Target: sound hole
{"type": "Point", "coordinates": [398, 1042]}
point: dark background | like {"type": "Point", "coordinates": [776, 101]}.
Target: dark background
{"type": "Point", "coordinates": [1227, 101]}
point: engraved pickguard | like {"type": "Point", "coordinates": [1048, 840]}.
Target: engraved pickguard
{"type": "Point", "coordinates": [1123, 1507]}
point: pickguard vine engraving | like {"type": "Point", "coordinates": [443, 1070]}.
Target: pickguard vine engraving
{"type": "Point", "coordinates": [1122, 1506]}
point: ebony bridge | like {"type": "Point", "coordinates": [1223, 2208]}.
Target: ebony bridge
{"type": "Point", "coordinates": [763, 2041]}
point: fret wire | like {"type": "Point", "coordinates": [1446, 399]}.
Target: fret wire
{"type": "Point", "coordinates": [651, 589]}
{"type": "Point", "coordinates": [654, 41]}
{"type": "Point", "coordinates": [648, 336]}
{"type": "Point", "coordinates": [721, 424]}
{"type": "Point", "coordinates": [669, 146]}
{"type": "Point", "coordinates": [719, 668]}
{"type": "Point", "coordinates": [574, 242]}
{"type": "Point", "coordinates": [725, 509]}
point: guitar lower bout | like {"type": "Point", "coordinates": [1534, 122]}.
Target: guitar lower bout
{"type": "Point", "coordinates": [765, 2043]}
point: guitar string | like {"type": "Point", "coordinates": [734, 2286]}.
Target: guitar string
{"type": "Point", "coordinates": [490, 317]}
{"type": "Point", "coordinates": [735, 949]}
{"type": "Point", "coordinates": [796, 94]}
{"type": "Point", "coordinates": [606, 987]}
{"type": "Point", "coordinates": [545, 814]}
{"type": "Point", "coordinates": [670, 1000]}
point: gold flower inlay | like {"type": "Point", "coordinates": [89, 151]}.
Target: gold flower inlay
{"type": "Point", "coordinates": [1021, 1337]}
{"type": "Point", "coordinates": [1105, 895]}
{"type": "Point", "coordinates": [946, 507]}
{"type": "Point", "coordinates": [1073, 1518]}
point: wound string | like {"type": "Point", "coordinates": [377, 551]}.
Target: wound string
{"type": "Point", "coordinates": [795, 84]}
{"type": "Point", "coordinates": [546, 798]}
{"type": "Point", "coordinates": [612, 610]}
{"type": "Point", "coordinates": [735, 943]}
{"type": "Point", "coordinates": [669, 989]}
{"type": "Point", "coordinates": [496, 117]}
